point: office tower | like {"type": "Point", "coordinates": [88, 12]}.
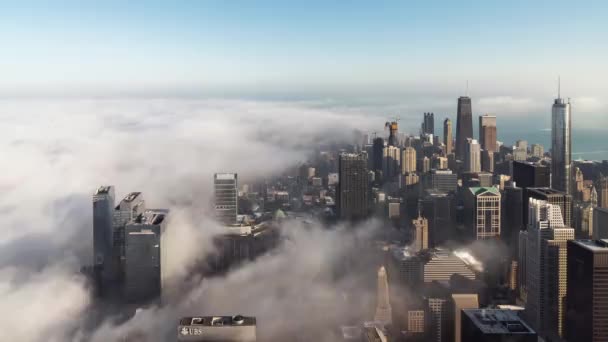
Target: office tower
{"type": "Point", "coordinates": [131, 206]}
{"type": "Point", "coordinates": [416, 321]}
{"type": "Point", "coordinates": [437, 208]}
{"type": "Point", "coordinates": [487, 132]}
{"type": "Point", "coordinates": [520, 154]}
{"type": "Point", "coordinates": [226, 196]}
{"type": "Point", "coordinates": [564, 201]}
{"type": "Point", "coordinates": [495, 325]}
{"type": "Point", "coordinates": [384, 312]}
{"type": "Point", "coordinates": [561, 145]}
{"type": "Point", "coordinates": [587, 305]}
{"type": "Point", "coordinates": [145, 256]}
{"type": "Point", "coordinates": [487, 161]}
{"type": "Point", "coordinates": [522, 144]}
{"type": "Point", "coordinates": [428, 126]}
{"type": "Point", "coordinates": [482, 212]}
{"type": "Point", "coordinates": [409, 179]}
{"type": "Point", "coordinates": [603, 192]}
{"type": "Point", "coordinates": [512, 217]}
{"type": "Point", "coordinates": [447, 135]}
{"type": "Point", "coordinates": [486, 179]}
{"type": "Point", "coordinates": [441, 180]}
{"type": "Point", "coordinates": [392, 138]}
{"type": "Point", "coordinates": [582, 220]}
{"type": "Point", "coordinates": [578, 184]}
{"type": "Point", "coordinates": [600, 223]}
{"type": "Point", "coordinates": [537, 150]}
{"type": "Point", "coordinates": [439, 163]}
{"type": "Point", "coordinates": [421, 233]}
{"type": "Point", "coordinates": [472, 160]}
{"type": "Point", "coordinates": [464, 126]}
{"type": "Point", "coordinates": [530, 175]}
{"type": "Point", "coordinates": [103, 207]}
{"type": "Point", "coordinates": [438, 310]}
{"type": "Point", "coordinates": [217, 328]}
{"type": "Point", "coordinates": [425, 165]}
{"type": "Point", "coordinates": [378, 155]}
{"type": "Point", "coordinates": [353, 189]}
{"type": "Point", "coordinates": [408, 160]}
{"type": "Point", "coordinates": [546, 267]}
{"type": "Point", "coordinates": [391, 162]}
{"type": "Point", "coordinates": [461, 302]}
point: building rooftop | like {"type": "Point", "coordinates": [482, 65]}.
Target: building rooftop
{"type": "Point", "coordinates": [218, 321]}
{"type": "Point", "coordinates": [104, 189]}
{"type": "Point", "coordinates": [480, 190]}
{"type": "Point", "coordinates": [593, 245]}
{"type": "Point", "coordinates": [546, 191]}
{"type": "Point", "coordinates": [225, 176]}
{"type": "Point", "coordinates": [131, 196]}
{"type": "Point", "coordinates": [151, 216]}
{"type": "Point", "coordinates": [497, 321]}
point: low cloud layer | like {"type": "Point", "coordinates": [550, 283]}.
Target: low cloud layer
{"type": "Point", "coordinates": [57, 151]}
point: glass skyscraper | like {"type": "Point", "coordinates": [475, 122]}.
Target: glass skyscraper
{"type": "Point", "coordinates": [561, 146]}
{"type": "Point", "coordinates": [464, 126]}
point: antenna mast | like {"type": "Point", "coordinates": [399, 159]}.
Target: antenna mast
{"type": "Point", "coordinates": [559, 85]}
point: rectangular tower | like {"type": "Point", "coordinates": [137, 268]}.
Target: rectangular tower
{"type": "Point", "coordinates": [103, 206]}
{"type": "Point", "coordinates": [464, 125]}
{"type": "Point", "coordinates": [226, 197]}
{"type": "Point", "coordinates": [353, 187]}
{"type": "Point", "coordinates": [487, 132]}
{"type": "Point", "coordinates": [561, 146]}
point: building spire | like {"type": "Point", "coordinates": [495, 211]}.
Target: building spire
{"type": "Point", "coordinates": [559, 86]}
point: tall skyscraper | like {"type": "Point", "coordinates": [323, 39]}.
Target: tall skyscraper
{"type": "Point", "coordinates": [464, 125]}
{"type": "Point", "coordinates": [447, 135]}
{"type": "Point", "coordinates": [487, 132]}
{"type": "Point", "coordinates": [487, 161]}
{"type": "Point", "coordinates": [378, 157]}
{"type": "Point", "coordinates": [472, 161]}
{"type": "Point", "coordinates": [130, 207]}
{"type": "Point", "coordinates": [537, 150]}
{"type": "Point", "coordinates": [428, 126]}
{"type": "Point", "coordinates": [103, 207]}
{"type": "Point", "coordinates": [603, 192]}
{"type": "Point", "coordinates": [586, 304]}
{"type": "Point", "coordinates": [391, 162]}
{"type": "Point", "coordinates": [384, 313]}
{"type": "Point", "coordinates": [512, 217]}
{"type": "Point", "coordinates": [145, 257]}
{"type": "Point", "coordinates": [461, 302]}
{"type": "Point", "coordinates": [353, 190]}
{"type": "Point", "coordinates": [482, 212]}
{"type": "Point", "coordinates": [530, 175]}
{"type": "Point", "coordinates": [546, 267]}
{"type": "Point", "coordinates": [393, 128]}
{"type": "Point", "coordinates": [421, 231]}
{"type": "Point", "coordinates": [226, 197]}
{"type": "Point", "coordinates": [495, 325]}
{"type": "Point", "coordinates": [408, 160]}
{"type": "Point", "coordinates": [562, 200]}
{"type": "Point", "coordinates": [561, 145]}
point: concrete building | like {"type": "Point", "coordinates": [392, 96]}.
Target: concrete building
{"type": "Point", "coordinates": [487, 161]}
{"type": "Point", "coordinates": [421, 233]}
{"type": "Point", "coordinates": [391, 162]}
{"type": "Point", "coordinates": [384, 313]}
{"type": "Point", "coordinates": [447, 136]}
{"type": "Point", "coordinates": [482, 212]}
{"type": "Point", "coordinates": [437, 208]}
{"type": "Point", "coordinates": [487, 133]}
{"type": "Point", "coordinates": [464, 126]}
{"type": "Point", "coordinates": [587, 304]}
{"type": "Point", "coordinates": [472, 160]}
{"type": "Point", "coordinates": [495, 325]}
{"type": "Point", "coordinates": [561, 145]}
{"type": "Point", "coordinates": [552, 196]}
{"type": "Point", "coordinates": [145, 256]}
{"type": "Point", "coordinates": [441, 180]}
{"type": "Point", "coordinates": [603, 192]}
{"type": "Point", "coordinates": [461, 302]}
{"type": "Point", "coordinates": [217, 328]}
{"type": "Point", "coordinates": [537, 150]}
{"type": "Point", "coordinates": [103, 208]}
{"type": "Point", "coordinates": [353, 189]}
{"type": "Point", "coordinates": [226, 196]}
{"type": "Point", "coordinates": [408, 160]}
{"type": "Point", "coordinates": [600, 223]}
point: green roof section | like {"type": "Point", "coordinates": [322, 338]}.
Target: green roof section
{"type": "Point", "coordinates": [480, 190]}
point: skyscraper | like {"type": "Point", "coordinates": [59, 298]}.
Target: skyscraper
{"type": "Point", "coordinates": [482, 212]}
{"type": "Point", "coordinates": [421, 231]}
{"type": "Point", "coordinates": [530, 175]}
{"type": "Point", "coordinates": [487, 161]}
{"type": "Point", "coordinates": [603, 192]}
{"type": "Point", "coordinates": [226, 197]}
{"type": "Point", "coordinates": [561, 145]}
{"type": "Point", "coordinates": [472, 161]}
{"type": "Point", "coordinates": [464, 125]}
{"type": "Point", "coordinates": [495, 325]}
{"type": "Point", "coordinates": [562, 200]}
{"type": "Point", "coordinates": [447, 135]}
{"type": "Point", "coordinates": [103, 207]}
{"type": "Point", "coordinates": [487, 132]}
{"type": "Point", "coordinates": [393, 128]}
{"type": "Point", "coordinates": [377, 157]}
{"type": "Point", "coordinates": [384, 313]}
{"type": "Point", "coordinates": [408, 160]}
{"type": "Point", "coordinates": [352, 193]}
{"type": "Point", "coordinates": [587, 305]}
{"type": "Point", "coordinates": [428, 126]}
{"type": "Point", "coordinates": [391, 162]}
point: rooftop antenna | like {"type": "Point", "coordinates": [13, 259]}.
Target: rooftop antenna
{"type": "Point", "coordinates": [466, 92]}
{"type": "Point", "coordinates": [559, 87]}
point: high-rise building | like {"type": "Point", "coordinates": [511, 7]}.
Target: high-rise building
{"type": "Point", "coordinates": [546, 267]}
{"type": "Point", "coordinates": [145, 256]}
{"type": "Point", "coordinates": [587, 304]}
{"type": "Point", "coordinates": [487, 161]}
{"type": "Point", "coordinates": [391, 162]}
{"type": "Point", "coordinates": [425, 164]}
{"type": "Point", "coordinates": [563, 200]}
{"type": "Point", "coordinates": [472, 160]}
{"type": "Point", "coordinates": [461, 302]}
{"type": "Point", "coordinates": [437, 208]}
{"type": "Point", "coordinates": [421, 233]}
{"type": "Point", "coordinates": [384, 313]}
{"type": "Point", "coordinates": [441, 180]}
{"type": "Point", "coordinates": [495, 325]}
{"type": "Point", "coordinates": [128, 209]}
{"type": "Point", "coordinates": [512, 217]}
{"type": "Point", "coordinates": [408, 160]}
{"type": "Point", "coordinates": [447, 135]}
{"type": "Point", "coordinates": [353, 189]}
{"type": "Point", "coordinates": [530, 175]}
{"type": "Point", "coordinates": [464, 126]}
{"type": "Point", "coordinates": [428, 126]}
{"type": "Point", "coordinates": [226, 197]}
{"type": "Point", "coordinates": [103, 207]}
{"type": "Point", "coordinates": [217, 328]}
{"type": "Point", "coordinates": [487, 132]}
{"type": "Point", "coordinates": [600, 223]}
{"type": "Point", "coordinates": [393, 128]}
{"type": "Point", "coordinates": [603, 192]}
{"type": "Point", "coordinates": [561, 145]}
{"type": "Point", "coordinates": [537, 150]}
{"type": "Point", "coordinates": [482, 212]}
{"type": "Point", "coordinates": [439, 163]}
{"type": "Point", "coordinates": [378, 156]}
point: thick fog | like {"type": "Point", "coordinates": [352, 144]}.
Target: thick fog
{"type": "Point", "coordinates": [56, 152]}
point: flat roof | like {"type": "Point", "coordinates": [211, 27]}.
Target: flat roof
{"type": "Point", "coordinates": [480, 190]}
{"type": "Point", "coordinates": [132, 196]}
{"type": "Point", "coordinates": [547, 191]}
{"type": "Point", "coordinates": [498, 321]}
{"type": "Point", "coordinates": [225, 176]}
{"type": "Point", "coordinates": [593, 245]}
{"type": "Point", "coordinates": [104, 189]}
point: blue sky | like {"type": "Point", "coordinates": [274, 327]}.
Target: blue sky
{"type": "Point", "coordinates": [506, 48]}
